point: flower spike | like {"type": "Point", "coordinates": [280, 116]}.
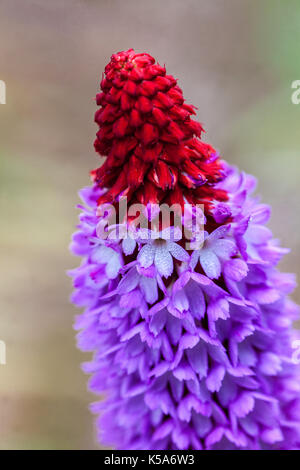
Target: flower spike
{"type": "Point", "coordinates": [193, 342]}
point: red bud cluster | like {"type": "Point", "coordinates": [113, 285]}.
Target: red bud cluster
{"type": "Point", "coordinates": [153, 146]}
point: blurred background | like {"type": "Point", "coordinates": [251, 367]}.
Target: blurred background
{"type": "Point", "coordinates": [235, 61]}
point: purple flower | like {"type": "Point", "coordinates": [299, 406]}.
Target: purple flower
{"type": "Point", "coordinates": [191, 364]}
{"type": "Point", "coordinates": [160, 249]}
{"type": "Point", "coordinates": [215, 249]}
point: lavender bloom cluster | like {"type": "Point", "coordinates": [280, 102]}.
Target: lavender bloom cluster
{"type": "Point", "coordinates": [204, 361]}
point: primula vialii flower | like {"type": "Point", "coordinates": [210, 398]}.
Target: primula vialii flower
{"type": "Point", "coordinates": [193, 347]}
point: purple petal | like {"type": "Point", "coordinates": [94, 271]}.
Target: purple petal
{"type": "Point", "coordinates": [178, 252]}
{"type": "Point", "coordinates": [215, 377]}
{"type": "Point", "coordinates": [196, 300]}
{"type": "Point", "coordinates": [258, 234]}
{"type": "Point", "coordinates": [269, 363]}
{"type": "Point", "coordinates": [197, 358]}
{"type": "Point", "coordinates": [146, 255]}
{"type": "Point", "coordinates": [194, 258]}
{"type": "Point", "coordinates": [158, 321]}
{"type": "Point", "coordinates": [210, 264]}
{"type": "Point", "coordinates": [242, 406]}
{"type": "Point", "coordinates": [149, 288]}
{"type": "Point", "coordinates": [263, 295]}
{"type": "Point", "coordinates": [224, 248]}
{"type": "Point", "coordinates": [129, 282]}
{"type": "Point", "coordinates": [128, 245]}
{"type": "Point", "coordinates": [163, 430]}
{"type": "Point", "coordinates": [271, 436]}
{"type": "Point", "coordinates": [163, 262]}
{"type": "Point", "coordinates": [236, 269]}
{"type": "Point", "coordinates": [218, 233]}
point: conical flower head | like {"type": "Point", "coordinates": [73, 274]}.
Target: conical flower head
{"type": "Point", "coordinates": [153, 146]}
{"type": "Point", "coordinates": [193, 346]}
